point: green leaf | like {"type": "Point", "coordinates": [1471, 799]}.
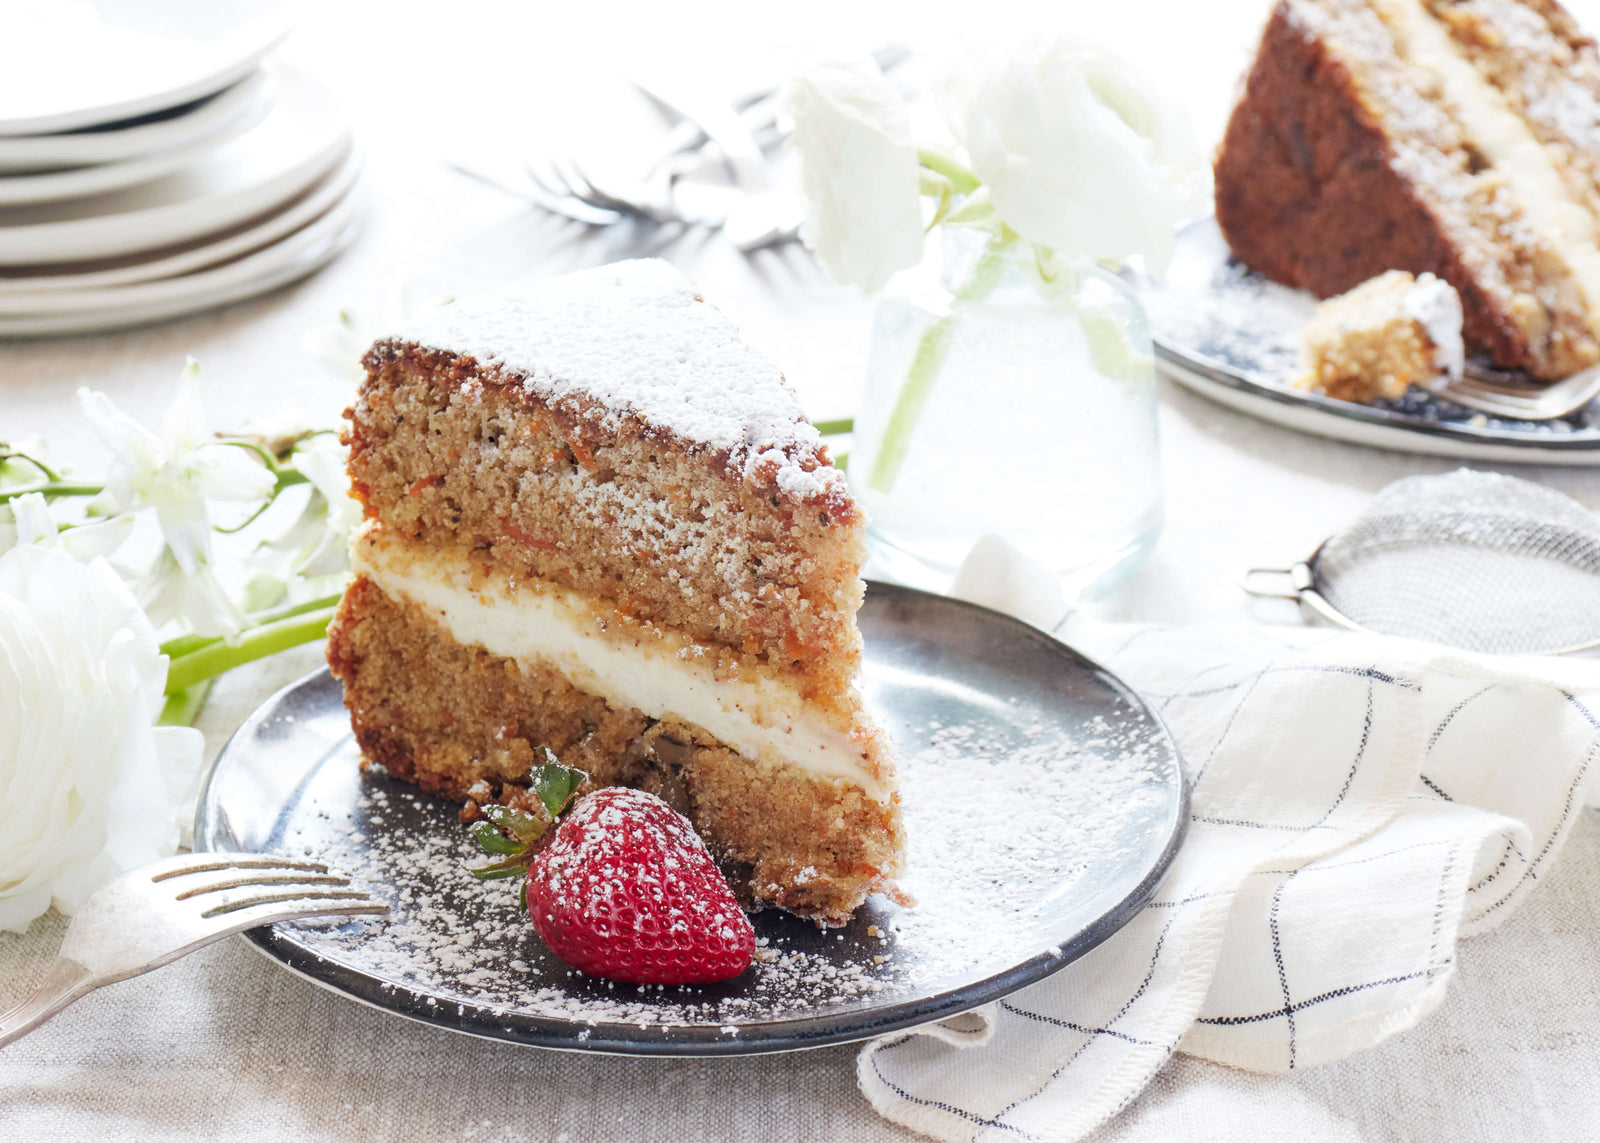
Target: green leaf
{"type": "Point", "coordinates": [493, 841]}
{"type": "Point", "coordinates": [521, 825]}
{"type": "Point", "coordinates": [500, 870]}
{"type": "Point", "coordinates": [554, 783]}
{"type": "Point", "coordinates": [522, 897]}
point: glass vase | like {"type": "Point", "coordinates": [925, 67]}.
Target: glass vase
{"type": "Point", "coordinates": [1008, 396]}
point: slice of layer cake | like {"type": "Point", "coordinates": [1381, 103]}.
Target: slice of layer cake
{"type": "Point", "coordinates": [1455, 137]}
{"type": "Point", "coordinates": [599, 522]}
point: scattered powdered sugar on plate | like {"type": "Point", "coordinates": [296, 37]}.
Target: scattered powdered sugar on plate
{"type": "Point", "coordinates": [1039, 798]}
{"type": "Point", "coordinates": [1004, 826]}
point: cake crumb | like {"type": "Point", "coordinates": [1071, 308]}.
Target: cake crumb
{"type": "Point", "coordinates": [1379, 339]}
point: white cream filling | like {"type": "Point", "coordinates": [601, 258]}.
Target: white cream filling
{"type": "Point", "coordinates": [1564, 223]}
{"type": "Point", "coordinates": [546, 624]}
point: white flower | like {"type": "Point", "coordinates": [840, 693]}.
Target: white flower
{"type": "Point", "coordinates": [320, 536]}
{"type": "Point", "coordinates": [175, 476]}
{"type": "Point", "coordinates": [91, 786]}
{"type": "Point", "coordinates": [1081, 152]}
{"type": "Point", "coordinates": [27, 520]}
{"type": "Point", "coordinates": [859, 170]}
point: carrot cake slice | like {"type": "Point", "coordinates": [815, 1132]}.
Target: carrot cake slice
{"type": "Point", "coordinates": [1459, 138]}
{"type": "Point", "coordinates": [598, 522]}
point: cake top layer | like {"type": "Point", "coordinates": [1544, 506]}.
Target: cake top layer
{"type": "Point", "coordinates": [633, 340]}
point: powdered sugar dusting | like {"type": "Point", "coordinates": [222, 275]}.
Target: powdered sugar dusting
{"type": "Point", "coordinates": [1016, 826]}
{"type": "Point", "coordinates": [636, 338]}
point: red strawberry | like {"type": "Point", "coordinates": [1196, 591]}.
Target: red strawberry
{"type": "Point", "coordinates": [625, 889]}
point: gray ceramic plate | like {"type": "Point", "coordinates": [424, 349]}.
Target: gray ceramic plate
{"type": "Point", "coordinates": [1234, 336]}
{"type": "Point", "coordinates": [1043, 800]}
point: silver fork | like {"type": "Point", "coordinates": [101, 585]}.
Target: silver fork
{"type": "Point", "coordinates": [168, 909]}
{"type": "Point", "coordinates": [566, 183]}
{"type": "Point", "coordinates": [1501, 394]}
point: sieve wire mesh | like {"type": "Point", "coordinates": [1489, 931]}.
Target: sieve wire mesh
{"type": "Point", "coordinates": [1475, 560]}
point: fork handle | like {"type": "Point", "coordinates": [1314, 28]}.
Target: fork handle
{"type": "Point", "coordinates": [66, 981]}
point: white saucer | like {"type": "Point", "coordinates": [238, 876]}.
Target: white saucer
{"type": "Point", "coordinates": [103, 178]}
{"type": "Point", "coordinates": [71, 64]}
{"type": "Point", "coordinates": [150, 135]}
{"type": "Point", "coordinates": [278, 265]}
{"type": "Point", "coordinates": [20, 294]}
{"type": "Point", "coordinates": [298, 142]}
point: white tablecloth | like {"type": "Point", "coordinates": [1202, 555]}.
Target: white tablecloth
{"type": "Point", "coordinates": [227, 1045]}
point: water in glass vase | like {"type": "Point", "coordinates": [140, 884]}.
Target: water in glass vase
{"type": "Point", "coordinates": [1009, 397]}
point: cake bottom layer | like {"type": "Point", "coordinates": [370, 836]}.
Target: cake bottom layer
{"type": "Point", "coordinates": [464, 723]}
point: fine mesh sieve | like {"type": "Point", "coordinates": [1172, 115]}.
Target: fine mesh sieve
{"type": "Point", "coordinates": [1474, 560]}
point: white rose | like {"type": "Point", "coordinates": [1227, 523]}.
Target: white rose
{"type": "Point", "coordinates": [92, 786]}
{"type": "Point", "coordinates": [859, 170]}
{"type": "Point", "coordinates": [1081, 152]}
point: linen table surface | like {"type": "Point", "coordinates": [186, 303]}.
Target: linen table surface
{"type": "Point", "coordinates": [226, 1045]}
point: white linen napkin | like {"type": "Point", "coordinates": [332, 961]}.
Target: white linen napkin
{"type": "Point", "coordinates": [1359, 803]}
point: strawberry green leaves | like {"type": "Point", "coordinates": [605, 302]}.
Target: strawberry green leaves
{"type": "Point", "coordinates": [516, 835]}
{"type": "Point", "coordinates": [554, 783]}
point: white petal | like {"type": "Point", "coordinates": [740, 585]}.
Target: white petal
{"type": "Point", "coordinates": [86, 786]}
{"type": "Point", "coordinates": [859, 169]}
{"type": "Point", "coordinates": [186, 419]}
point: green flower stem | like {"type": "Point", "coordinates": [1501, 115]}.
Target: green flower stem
{"type": "Point", "coordinates": [925, 368]}
{"type": "Point", "coordinates": [51, 489]}
{"type": "Point", "coordinates": [44, 469]}
{"type": "Point", "coordinates": [221, 655]}
{"type": "Point", "coordinates": [183, 708]}
{"type": "Point", "coordinates": [181, 645]}
{"type": "Point", "coordinates": [835, 428]}
{"type": "Point", "coordinates": [942, 162]}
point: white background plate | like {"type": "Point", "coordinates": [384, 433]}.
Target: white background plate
{"type": "Point", "coordinates": [103, 178]}
{"type": "Point", "coordinates": [300, 140]}
{"type": "Point", "coordinates": [140, 137]}
{"type": "Point", "coordinates": [35, 294]}
{"type": "Point", "coordinates": [278, 265]}
{"type": "Point", "coordinates": [77, 63]}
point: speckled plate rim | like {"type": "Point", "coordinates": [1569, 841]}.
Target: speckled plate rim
{"type": "Point", "coordinates": [796, 1034]}
{"type": "Point", "coordinates": [1358, 424]}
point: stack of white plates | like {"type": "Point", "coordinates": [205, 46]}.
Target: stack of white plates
{"type": "Point", "coordinates": [152, 165]}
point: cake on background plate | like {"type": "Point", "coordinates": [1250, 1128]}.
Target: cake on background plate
{"type": "Point", "coordinates": [1454, 137]}
{"type": "Point", "coordinates": [598, 522]}
{"type": "Point", "coordinates": [1382, 337]}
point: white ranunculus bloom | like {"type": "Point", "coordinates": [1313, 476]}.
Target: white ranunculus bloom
{"type": "Point", "coordinates": [859, 169]}
{"type": "Point", "coordinates": [176, 475]}
{"type": "Point", "coordinates": [91, 786]}
{"type": "Point", "coordinates": [1081, 152]}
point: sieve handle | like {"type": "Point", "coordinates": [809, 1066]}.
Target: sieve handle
{"type": "Point", "coordinates": [1292, 582]}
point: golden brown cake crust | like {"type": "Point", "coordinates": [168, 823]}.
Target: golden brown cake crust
{"type": "Point", "coordinates": [1311, 190]}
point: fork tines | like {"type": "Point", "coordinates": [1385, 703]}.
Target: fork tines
{"type": "Point", "coordinates": [302, 881]}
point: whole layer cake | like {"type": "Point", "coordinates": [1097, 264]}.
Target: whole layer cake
{"type": "Point", "coordinates": [598, 522]}
{"type": "Point", "coordinates": [1454, 137]}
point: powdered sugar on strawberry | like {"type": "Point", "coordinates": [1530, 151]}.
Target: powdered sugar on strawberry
{"type": "Point", "coordinates": [627, 890]}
